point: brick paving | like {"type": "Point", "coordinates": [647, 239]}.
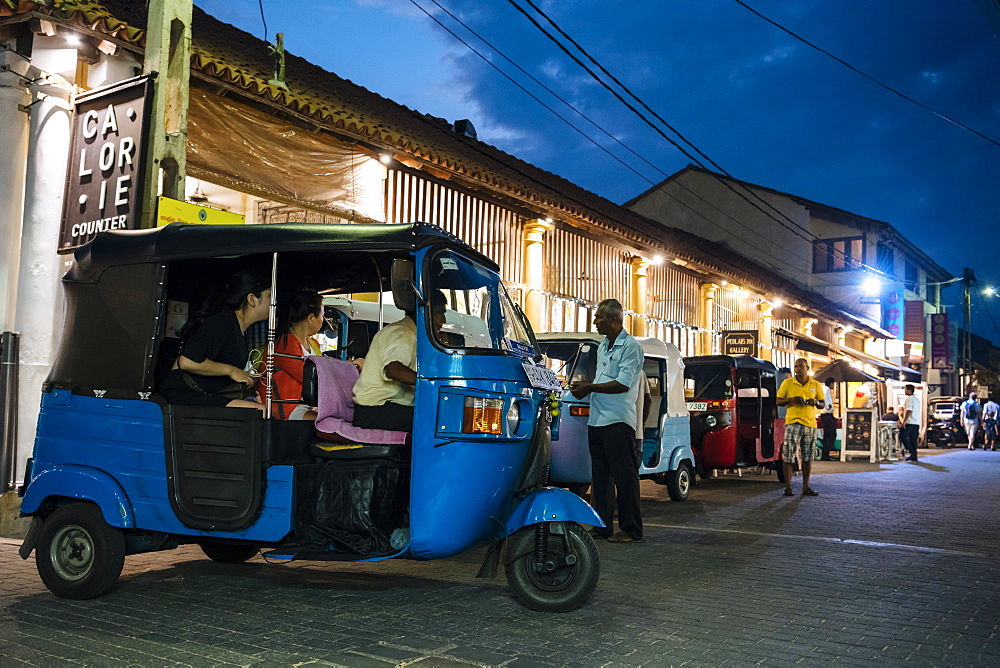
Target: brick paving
{"type": "Point", "coordinates": [892, 563]}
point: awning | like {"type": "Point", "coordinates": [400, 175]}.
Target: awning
{"type": "Point", "coordinates": [886, 369]}
{"type": "Point", "coordinates": [842, 372]}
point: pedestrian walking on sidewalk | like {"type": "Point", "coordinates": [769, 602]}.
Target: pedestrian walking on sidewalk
{"type": "Point", "coordinates": [991, 413]}
{"type": "Point", "coordinates": [802, 395]}
{"type": "Point", "coordinates": [611, 426]}
{"type": "Point", "coordinates": [828, 421]}
{"type": "Point", "coordinates": [972, 413]}
{"type": "Point", "coordinates": [911, 423]}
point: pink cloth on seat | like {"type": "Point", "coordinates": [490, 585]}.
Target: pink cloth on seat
{"type": "Point", "coordinates": [335, 381]}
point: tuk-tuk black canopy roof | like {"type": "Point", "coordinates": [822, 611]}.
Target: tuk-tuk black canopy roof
{"type": "Point", "coordinates": [738, 361]}
{"type": "Point", "coordinates": [179, 241]}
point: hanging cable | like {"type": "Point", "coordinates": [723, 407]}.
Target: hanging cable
{"type": "Point", "coordinates": [531, 95]}
{"type": "Point", "coordinates": [866, 76]}
{"type": "Point", "coordinates": [800, 231]}
{"type": "Point", "coordinates": [549, 90]}
{"type": "Point", "coordinates": [262, 19]}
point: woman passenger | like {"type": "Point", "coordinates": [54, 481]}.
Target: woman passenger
{"type": "Point", "coordinates": [212, 367]}
{"type": "Point", "coordinates": [299, 322]}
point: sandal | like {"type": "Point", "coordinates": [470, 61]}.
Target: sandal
{"type": "Point", "coordinates": [809, 492]}
{"type": "Point", "coordinates": [788, 492]}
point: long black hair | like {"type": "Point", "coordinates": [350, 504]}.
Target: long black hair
{"type": "Point", "coordinates": [299, 307]}
{"type": "Point", "coordinates": [230, 297]}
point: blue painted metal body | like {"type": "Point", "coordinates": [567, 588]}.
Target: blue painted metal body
{"type": "Point", "coordinates": [463, 487]}
{"type": "Point", "coordinates": [111, 452]}
{"type": "Point", "coordinates": [551, 504]}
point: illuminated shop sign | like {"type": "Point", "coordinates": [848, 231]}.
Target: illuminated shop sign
{"type": "Point", "coordinates": [104, 181]}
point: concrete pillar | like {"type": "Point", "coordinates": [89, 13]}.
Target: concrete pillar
{"type": "Point", "coordinates": [39, 311]}
{"type": "Point", "coordinates": [533, 272]}
{"type": "Point", "coordinates": [14, 99]}
{"type": "Point", "coordinates": [637, 295]}
{"type": "Point", "coordinates": [842, 335]}
{"type": "Point", "coordinates": [766, 349]}
{"type": "Point", "coordinates": [807, 325]}
{"type": "Point", "coordinates": [706, 319]}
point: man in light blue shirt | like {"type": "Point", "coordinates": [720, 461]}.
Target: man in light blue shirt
{"type": "Point", "coordinates": [611, 428]}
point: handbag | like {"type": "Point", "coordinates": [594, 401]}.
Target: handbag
{"type": "Point", "coordinates": [231, 391]}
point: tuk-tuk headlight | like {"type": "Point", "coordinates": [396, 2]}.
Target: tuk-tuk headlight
{"type": "Point", "coordinates": [513, 417]}
{"type": "Point", "coordinates": [711, 420]}
{"type": "Point", "coordinates": [482, 416]}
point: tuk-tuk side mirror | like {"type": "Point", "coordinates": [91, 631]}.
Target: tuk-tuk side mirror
{"type": "Point", "coordinates": [402, 280]}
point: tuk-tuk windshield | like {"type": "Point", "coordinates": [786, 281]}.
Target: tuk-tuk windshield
{"type": "Point", "coordinates": [706, 382]}
{"type": "Point", "coordinates": [479, 313]}
{"type": "Point", "coordinates": [571, 361]}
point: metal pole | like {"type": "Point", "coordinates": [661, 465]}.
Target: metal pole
{"type": "Point", "coordinates": [8, 409]}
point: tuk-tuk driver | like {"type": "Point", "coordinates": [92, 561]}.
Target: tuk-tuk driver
{"type": "Point", "coordinates": [383, 395]}
{"type": "Point", "coordinates": [612, 425]}
{"type": "Point", "coordinates": [802, 396]}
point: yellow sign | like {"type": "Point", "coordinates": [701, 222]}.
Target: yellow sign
{"type": "Point", "coordinates": [174, 211]}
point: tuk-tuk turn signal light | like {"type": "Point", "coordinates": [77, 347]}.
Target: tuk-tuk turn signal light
{"type": "Point", "coordinates": [482, 416]}
{"type": "Point", "coordinates": [579, 410]}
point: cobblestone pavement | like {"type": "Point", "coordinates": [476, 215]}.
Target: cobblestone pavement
{"type": "Point", "coordinates": [891, 563]}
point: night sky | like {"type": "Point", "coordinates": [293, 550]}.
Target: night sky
{"type": "Point", "coordinates": [766, 107]}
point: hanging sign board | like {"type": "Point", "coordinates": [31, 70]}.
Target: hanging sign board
{"type": "Point", "coordinates": [739, 343]}
{"type": "Point", "coordinates": [103, 183]}
{"type": "Point", "coordinates": [940, 342]}
{"type": "Point", "coordinates": [174, 211]}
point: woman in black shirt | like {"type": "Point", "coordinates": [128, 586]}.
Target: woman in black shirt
{"type": "Point", "coordinates": [213, 359]}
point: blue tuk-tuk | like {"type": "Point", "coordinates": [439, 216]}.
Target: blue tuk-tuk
{"type": "Point", "coordinates": [116, 470]}
{"type": "Point", "coordinates": [666, 456]}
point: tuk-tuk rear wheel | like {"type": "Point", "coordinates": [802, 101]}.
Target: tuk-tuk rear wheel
{"type": "Point", "coordinates": [228, 553]}
{"type": "Point", "coordinates": [78, 556]}
{"type": "Point", "coordinates": [679, 482]}
{"type": "Point", "coordinates": [550, 584]}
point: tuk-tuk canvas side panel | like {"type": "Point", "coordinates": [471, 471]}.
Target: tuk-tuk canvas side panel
{"type": "Point", "coordinates": [109, 325]}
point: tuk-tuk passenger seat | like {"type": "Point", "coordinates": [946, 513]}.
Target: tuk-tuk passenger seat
{"type": "Point", "coordinates": [330, 388]}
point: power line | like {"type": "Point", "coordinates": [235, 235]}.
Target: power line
{"type": "Point", "coordinates": [549, 90]}
{"type": "Point", "coordinates": [804, 234]}
{"type": "Point", "coordinates": [866, 76]}
{"type": "Point", "coordinates": [530, 94]}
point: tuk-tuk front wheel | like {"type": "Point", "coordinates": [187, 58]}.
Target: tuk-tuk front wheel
{"type": "Point", "coordinates": [228, 553]}
{"type": "Point", "coordinates": [550, 571]}
{"type": "Point", "coordinates": [78, 556]}
{"type": "Point", "coordinates": [679, 482]}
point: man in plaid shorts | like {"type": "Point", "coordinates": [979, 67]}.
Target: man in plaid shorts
{"type": "Point", "coordinates": [802, 395]}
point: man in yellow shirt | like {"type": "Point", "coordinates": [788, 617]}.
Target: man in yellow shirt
{"type": "Point", "coordinates": [802, 396]}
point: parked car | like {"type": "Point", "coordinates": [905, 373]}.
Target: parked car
{"type": "Point", "coordinates": [945, 428]}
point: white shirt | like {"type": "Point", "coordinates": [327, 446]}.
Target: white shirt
{"type": "Point", "coordinates": [622, 362]}
{"type": "Point", "coordinates": [396, 342]}
{"type": "Point", "coordinates": [990, 410]}
{"type": "Point", "coordinates": [827, 400]}
{"type": "Point", "coordinates": [912, 404]}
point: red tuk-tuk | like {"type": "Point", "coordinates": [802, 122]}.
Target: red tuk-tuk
{"type": "Point", "coordinates": [731, 401]}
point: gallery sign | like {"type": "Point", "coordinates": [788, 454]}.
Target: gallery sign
{"type": "Point", "coordinates": [104, 181]}
{"type": "Point", "coordinates": [739, 343]}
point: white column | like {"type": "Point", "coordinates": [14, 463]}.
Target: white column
{"type": "Point", "coordinates": [533, 271]}
{"type": "Point", "coordinates": [39, 312]}
{"type": "Point", "coordinates": [13, 153]}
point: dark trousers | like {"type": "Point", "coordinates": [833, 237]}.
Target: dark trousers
{"type": "Point", "coordinates": [393, 417]}
{"type": "Point", "coordinates": [829, 433]}
{"type": "Point", "coordinates": [614, 466]}
{"type": "Point", "coordinates": [909, 436]}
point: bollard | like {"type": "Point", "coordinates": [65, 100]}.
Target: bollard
{"type": "Point", "coordinates": [9, 342]}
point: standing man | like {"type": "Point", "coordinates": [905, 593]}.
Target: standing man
{"type": "Point", "coordinates": [802, 395]}
{"type": "Point", "coordinates": [611, 427]}
{"type": "Point", "coordinates": [971, 412]}
{"type": "Point", "coordinates": [991, 412]}
{"type": "Point", "coordinates": [828, 421]}
{"type": "Point", "coordinates": [911, 423]}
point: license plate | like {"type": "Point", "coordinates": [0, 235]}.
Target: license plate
{"type": "Point", "coordinates": [697, 406]}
